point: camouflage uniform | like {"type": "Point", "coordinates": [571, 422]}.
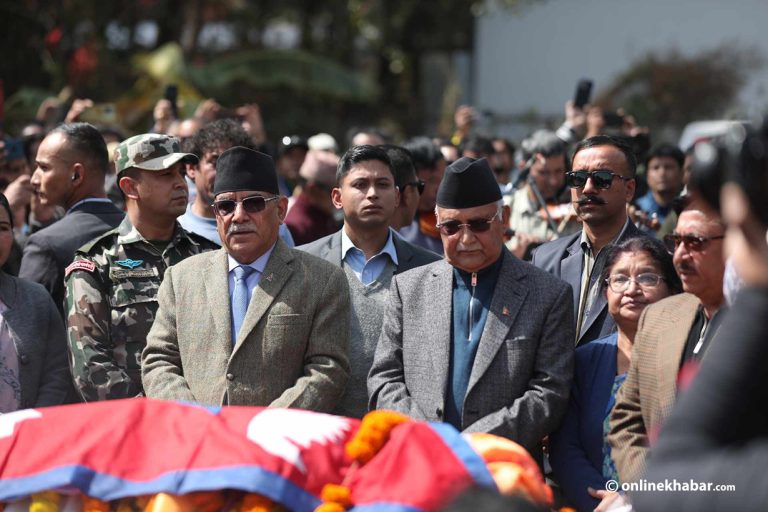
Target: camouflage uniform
{"type": "Point", "coordinates": [110, 309]}
{"type": "Point", "coordinates": [112, 287]}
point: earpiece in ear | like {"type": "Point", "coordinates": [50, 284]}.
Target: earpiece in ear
{"type": "Point", "coordinates": [75, 176]}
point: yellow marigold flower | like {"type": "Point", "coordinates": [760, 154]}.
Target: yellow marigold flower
{"type": "Point", "coordinates": [47, 501]}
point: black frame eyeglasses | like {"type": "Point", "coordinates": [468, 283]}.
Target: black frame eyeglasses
{"type": "Point", "coordinates": [419, 184]}
{"type": "Point", "coordinates": [253, 204]}
{"type": "Point", "coordinates": [691, 242]}
{"type": "Point", "coordinates": [601, 178]}
{"type": "Point", "coordinates": [619, 283]}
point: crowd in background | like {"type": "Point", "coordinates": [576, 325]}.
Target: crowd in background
{"type": "Point", "coordinates": [630, 226]}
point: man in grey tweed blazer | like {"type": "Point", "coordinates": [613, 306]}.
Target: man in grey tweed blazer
{"type": "Point", "coordinates": [287, 347]}
{"type": "Point", "coordinates": [480, 340]}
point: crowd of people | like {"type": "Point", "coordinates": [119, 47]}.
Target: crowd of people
{"type": "Point", "coordinates": [562, 293]}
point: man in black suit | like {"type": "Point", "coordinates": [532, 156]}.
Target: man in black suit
{"type": "Point", "coordinates": [602, 182]}
{"type": "Point", "coordinates": [370, 253]}
{"type": "Point", "coordinates": [71, 165]}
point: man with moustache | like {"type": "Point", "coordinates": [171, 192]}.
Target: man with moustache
{"type": "Point", "coordinates": [255, 323]}
{"type": "Point", "coordinates": [479, 340]}
{"type": "Point", "coordinates": [112, 283]}
{"type": "Point", "coordinates": [672, 336]}
{"type": "Point", "coordinates": [602, 182]}
{"type": "Point", "coordinates": [370, 253]}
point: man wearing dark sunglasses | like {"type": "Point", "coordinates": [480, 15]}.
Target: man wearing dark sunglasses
{"type": "Point", "coordinates": [672, 337]}
{"type": "Point", "coordinates": [255, 323]}
{"type": "Point", "coordinates": [602, 184]}
{"type": "Point", "coordinates": [480, 339]}
{"type": "Point", "coordinates": [370, 253]}
{"type": "Point", "coordinates": [410, 186]}
{"type": "Point", "coordinates": [112, 284]}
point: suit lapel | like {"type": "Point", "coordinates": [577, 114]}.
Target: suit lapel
{"type": "Point", "coordinates": [332, 251]}
{"type": "Point", "coordinates": [601, 301]}
{"type": "Point", "coordinates": [508, 297]}
{"type": "Point", "coordinates": [216, 282]}
{"type": "Point", "coordinates": [404, 255]}
{"type": "Point", "coordinates": [276, 273]}
{"type": "Point", "coordinates": [669, 353]}
{"type": "Point", "coordinates": [570, 271]}
{"type": "Point", "coordinates": [440, 289]}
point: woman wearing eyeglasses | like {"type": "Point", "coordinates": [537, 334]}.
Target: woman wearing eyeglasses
{"type": "Point", "coordinates": [637, 272]}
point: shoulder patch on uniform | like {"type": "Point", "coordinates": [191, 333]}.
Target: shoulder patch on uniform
{"type": "Point", "coordinates": [88, 266]}
{"type": "Point", "coordinates": [129, 263]}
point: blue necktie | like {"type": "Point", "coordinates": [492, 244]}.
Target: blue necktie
{"type": "Point", "coordinates": [240, 299]}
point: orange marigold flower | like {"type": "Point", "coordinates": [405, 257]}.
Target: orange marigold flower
{"type": "Point", "coordinates": [256, 503]}
{"type": "Point", "coordinates": [337, 494]}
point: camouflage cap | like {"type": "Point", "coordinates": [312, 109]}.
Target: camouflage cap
{"type": "Point", "coordinates": [151, 152]}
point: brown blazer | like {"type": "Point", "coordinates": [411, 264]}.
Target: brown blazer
{"type": "Point", "coordinates": [291, 350]}
{"type": "Point", "coordinates": [646, 398]}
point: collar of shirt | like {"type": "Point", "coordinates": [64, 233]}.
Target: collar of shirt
{"type": "Point", "coordinates": [128, 234]}
{"type": "Point", "coordinates": [258, 265]}
{"type": "Point", "coordinates": [89, 200]}
{"type": "Point", "coordinates": [586, 245]}
{"type": "Point", "coordinates": [347, 245]}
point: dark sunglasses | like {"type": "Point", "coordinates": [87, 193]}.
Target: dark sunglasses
{"type": "Point", "coordinates": [692, 242]}
{"type": "Point", "coordinates": [451, 227]}
{"type": "Point", "coordinates": [602, 178]}
{"type": "Point", "coordinates": [419, 184]}
{"type": "Point", "coordinates": [253, 204]}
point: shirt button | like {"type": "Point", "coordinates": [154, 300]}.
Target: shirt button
{"type": "Point", "coordinates": [24, 359]}
{"type": "Point", "coordinates": [230, 376]}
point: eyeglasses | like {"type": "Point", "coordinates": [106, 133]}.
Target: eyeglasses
{"type": "Point", "coordinates": [692, 242]}
{"type": "Point", "coordinates": [619, 282]}
{"type": "Point", "coordinates": [451, 227]}
{"type": "Point", "coordinates": [419, 184]}
{"type": "Point", "coordinates": [602, 178]}
{"type": "Point", "coordinates": [253, 204]}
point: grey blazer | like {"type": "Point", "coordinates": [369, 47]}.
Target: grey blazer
{"type": "Point", "coordinates": [564, 258]}
{"type": "Point", "coordinates": [408, 255]}
{"type": "Point", "coordinates": [291, 351]}
{"type": "Point", "coordinates": [520, 380]}
{"type": "Point", "coordinates": [41, 342]}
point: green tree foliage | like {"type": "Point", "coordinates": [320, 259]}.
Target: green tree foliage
{"type": "Point", "coordinates": [666, 90]}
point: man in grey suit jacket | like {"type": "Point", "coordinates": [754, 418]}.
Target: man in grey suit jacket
{"type": "Point", "coordinates": [370, 253]}
{"type": "Point", "coordinates": [272, 334]}
{"type": "Point", "coordinates": [71, 164]}
{"type": "Point", "coordinates": [602, 182]}
{"type": "Point", "coordinates": [480, 340]}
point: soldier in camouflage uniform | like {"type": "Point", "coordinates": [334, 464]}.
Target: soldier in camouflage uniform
{"type": "Point", "coordinates": [113, 281]}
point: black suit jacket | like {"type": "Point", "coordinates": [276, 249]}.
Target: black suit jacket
{"type": "Point", "coordinates": [408, 255]}
{"type": "Point", "coordinates": [564, 258]}
{"type": "Point", "coordinates": [50, 250]}
{"type": "Point", "coordinates": [718, 431]}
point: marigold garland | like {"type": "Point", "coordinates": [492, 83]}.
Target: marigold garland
{"type": "Point", "coordinates": [47, 501]}
{"type": "Point", "coordinates": [256, 503]}
{"type": "Point", "coordinates": [94, 505]}
{"type": "Point", "coordinates": [372, 434]}
{"type": "Point", "coordinates": [365, 444]}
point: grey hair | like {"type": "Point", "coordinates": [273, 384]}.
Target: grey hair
{"type": "Point", "coordinates": [543, 142]}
